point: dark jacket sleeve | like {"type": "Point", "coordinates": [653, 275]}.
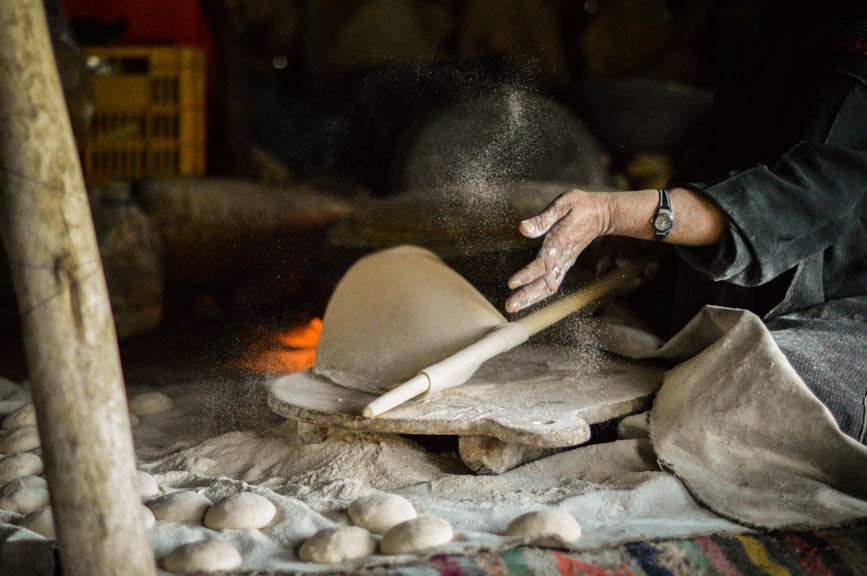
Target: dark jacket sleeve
{"type": "Point", "coordinates": [782, 214]}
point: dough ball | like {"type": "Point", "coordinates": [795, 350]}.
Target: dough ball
{"type": "Point", "coordinates": [41, 521]}
{"type": "Point", "coordinates": [148, 517]}
{"type": "Point", "coordinates": [240, 511]}
{"type": "Point", "coordinates": [333, 545]}
{"type": "Point", "coordinates": [19, 439]}
{"type": "Point", "coordinates": [379, 512]}
{"type": "Point", "coordinates": [18, 465]}
{"type": "Point", "coordinates": [24, 495]}
{"type": "Point", "coordinates": [416, 535]}
{"type": "Point", "coordinates": [24, 416]}
{"type": "Point", "coordinates": [134, 420]}
{"type": "Point", "coordinates": [147, 485]}
{"type": "Point", "coordinates": [185, 507]}
{"type": "Point", "coordinates": [149, 403]}
{"type": "Point", "coordinates": [544, 523]}
{"type": "Point", "coordinates": [204, 556]}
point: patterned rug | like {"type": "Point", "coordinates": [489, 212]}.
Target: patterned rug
{"type": "Point", "coordinates": [841, 551]}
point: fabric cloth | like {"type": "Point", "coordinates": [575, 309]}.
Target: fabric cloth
{"type": "Point", "coordinates": [839, 552]}
{"type": "Point", "coordinates": [737, 424]}
{"type": "Point", "coordinates": [797, 212]}
{"type": "Point", "coordinates": [831, 553]}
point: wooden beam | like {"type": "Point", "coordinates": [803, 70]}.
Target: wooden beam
{"type": "Point", "coordinates": [69, 336]}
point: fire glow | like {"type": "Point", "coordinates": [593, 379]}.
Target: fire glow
{"type": "Point", "coordinates": [285, 352]}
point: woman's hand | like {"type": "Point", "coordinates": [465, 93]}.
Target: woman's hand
{"type": "Point", "coordinates": [576, 218]}
{"type": "Point", "coordinates": [569, 223]}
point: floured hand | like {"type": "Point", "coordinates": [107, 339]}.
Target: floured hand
{"type": "Point", "coordinates": [569, 224]}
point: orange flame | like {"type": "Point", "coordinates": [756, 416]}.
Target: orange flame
{"type": "Point", "coordinates": [285, 352]}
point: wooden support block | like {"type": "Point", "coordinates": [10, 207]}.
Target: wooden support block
{"type": "Point", "coordinates": [69, 337]}
{"type": "Point", "coordinates": [311, 433]}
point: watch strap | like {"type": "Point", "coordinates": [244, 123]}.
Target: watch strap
{"type": "Point", "coordinates": [664, 206]}
{"type": "Point", "coordinates": [664, 199]}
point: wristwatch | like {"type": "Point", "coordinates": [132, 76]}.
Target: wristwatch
{"type": "Point", "coordinates": [663, 220]}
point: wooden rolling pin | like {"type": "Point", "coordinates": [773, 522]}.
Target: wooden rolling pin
{"type": "Point", "coordinates": [460, 366]}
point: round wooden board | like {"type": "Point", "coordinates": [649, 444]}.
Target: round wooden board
{"type": "Point", "coordinates": [536, 395]}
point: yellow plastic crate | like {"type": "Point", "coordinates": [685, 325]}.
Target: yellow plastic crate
{"type": "Point", "coordinates": [149, 118]}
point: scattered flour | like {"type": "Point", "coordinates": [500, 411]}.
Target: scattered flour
{"type": "Point", "coordinates": [198, 457]}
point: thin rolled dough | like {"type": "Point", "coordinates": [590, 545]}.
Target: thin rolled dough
{"type": "Point", "coordinates": [379, 512]}
{"type": "Point", "coordinates": [416, 535]}
{"type": "Point", "coordinates": [551, 528]}
{"type": "Point", "coordinates": [204, 556]}
{"type": "Point", "coordinates": [395, 312]}
{"type": "Point", "coordinates": [333, 545]}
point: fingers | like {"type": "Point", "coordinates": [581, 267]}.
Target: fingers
{"type": "Point", "coordinates": [549, 260]}
{"type": "Point", "coordinates": [541, 278]}
{"type": "Point", "coordinates": [567, 232]}
{"type": "Point", "coordinates": [528, 273]}
{"type": "Point", "coordinates": [540, 224]}
{"type": "Point", "coordinates": [533, 292]}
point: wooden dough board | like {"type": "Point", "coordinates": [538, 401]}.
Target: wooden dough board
{"type": "Point", "coordinates": [535, 395]}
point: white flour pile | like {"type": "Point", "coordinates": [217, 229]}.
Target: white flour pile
{"type": "Point", "coordinates": [614, 490]}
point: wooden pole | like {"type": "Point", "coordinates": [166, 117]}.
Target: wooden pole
{"type": "Point", "coordinates": [69, 336]}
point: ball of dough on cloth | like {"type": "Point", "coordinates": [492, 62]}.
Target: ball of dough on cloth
{"type": "Point", "coordinates": [416, 535]}
{"type": "Point", "coordinates": [20, 439]}
{"type": "Point", "coordinates": [148, 517]}
{"type": "Point", "coordinates": [333, 545]}
{"type": "Point", "coordinates": [40, 521]}
{"type": "Point", "coordinates": [184, 507]}
{"type": "Point", "coordinates": [240, 511]}
{"type": "Point", "coordinates": [24, 416]}
{"type": "Point", "coordinates": [148, 403]}
{"type": "Point", "coordinates": [18, 465]}
{"type": "Point", "coordinates": [379, 512]}
{"type": "Point", "coordinates": [24, 495]}
{"type": "Point", "coordinates": [204, 556]}
{"type": "Point", "coordinates": [541, 525]}
{"type": "Point", "coordinates": [147, 485]}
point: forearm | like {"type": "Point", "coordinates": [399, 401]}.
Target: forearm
{"type": "Point", "coordinates": [697, 220]}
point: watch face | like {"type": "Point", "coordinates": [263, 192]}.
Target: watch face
{"type": "Point", "coordinates": [663, 222]}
